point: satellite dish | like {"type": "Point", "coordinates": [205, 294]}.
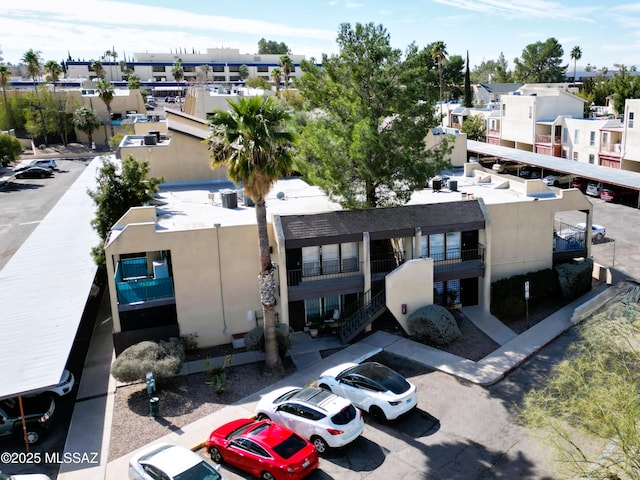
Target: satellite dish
{"type": "Point", "coordinates": [280, 196]}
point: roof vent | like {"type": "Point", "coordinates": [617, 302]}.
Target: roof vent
{"type": "Point", "coordinates": [280, 196]}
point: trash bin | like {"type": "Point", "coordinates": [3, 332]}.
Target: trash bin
{"type": "Point", "coordinates": [453, 185]}
{"type": "Point", "coordinates": [154, 406]}
{"type": "Point", "coordinates": [436, 185]}
{"type": "Point", "coordinates": [229, 198]}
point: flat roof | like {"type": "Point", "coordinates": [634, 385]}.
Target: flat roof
{"type": "Point", "coordinates": [614, 176]}
{"type": "Point", "coordinates": [44, 288]}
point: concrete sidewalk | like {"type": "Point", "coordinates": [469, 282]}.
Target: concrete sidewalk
{"type": "Point", "coordinates": [93, 408]}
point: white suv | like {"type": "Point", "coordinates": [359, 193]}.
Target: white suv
{"type": "Point", "coordinates": [324, 418]}
{"type": "Point", "coordinates": [49, 163]}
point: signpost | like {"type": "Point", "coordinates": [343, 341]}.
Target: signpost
{"type": "Point", "coordinates": [526, 300]}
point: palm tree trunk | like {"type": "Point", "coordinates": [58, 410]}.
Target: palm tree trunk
{"type": "Point", "coordinates": [110, 121]}
{"type": "Point", "coordinates": [267, 284]}
{"type": "Point", "coordinates": [6, 107]}
{"type": "Point", "coordinates": [44, 125]}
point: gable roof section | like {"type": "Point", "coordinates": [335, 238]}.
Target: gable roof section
{"type": "Point", "coordinates": [501, 87]}
{"type": "Point", "coordinates": [381, 223]}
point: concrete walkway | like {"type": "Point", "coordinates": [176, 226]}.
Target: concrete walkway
{"type": "Point", "coordinates": [91, 421]}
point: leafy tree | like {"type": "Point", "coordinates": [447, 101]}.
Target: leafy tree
{"type": "Point", "coordinates": [453, 77]}
{"type": "Point", "coordinates": [98, 68]}
{"type": "Point", "coordinates": [33, 60]}
{"type": "Point", "coordinates": [106, 94]}
{"type": "Point", "coordinates": [576, 54]}
{"type": "Point", "coordinates": [287, 66]}
{"type": "Point", "coordinates": [54, 70]}
{"type": "Point", "coordinates": [10, 149]}
{"type": "Point", "coordinates": [254, 140]}
{"type": "Point", "coordinates": [468, 97]}
{"type": "Point", "coordinates": [593, 393]}
{"type": "Point", "coordinates": [474, 127]}
{"type": "Point", "coordinates": [502, 73]}
{"type": "Point", "coordinates": [439, 55]}
{"type": "Point", "coordinates": [5, 74]}
{"type": "Point", "coordinates": [541, 63]}
{"type": "Point", "coordinates": [258, 82]}
{"type": "Point", "coordinates": [119, 189]}
{"type": "Point", "coordinates": [369, 111]}
{"type": "Point", "coordinates": [86, 120]}
{"type": "Point", "coordinates": [243, 71]}
{"type": "Point", "coordinates": [276, 73]}
{"type": "Point", "coordinates": [624, 86]}
{"type": "Point", "coordinates": [178, 73]}
{"type": "Point", "coordinates": [266, 47]}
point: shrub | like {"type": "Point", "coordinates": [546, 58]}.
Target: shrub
{"type": "Point", "coordinates": [254, 339]}
{"type": "Point", "coordinates": [218, 374]}
{"type": "Point", "coordinates": [507, 294]}
{"type": "Point", "coordinates": [164, 359]}
{"type": "Point", "coordinates": [433, 324]}
{"type": "Point", "coordinates": [10, 149]}
{"type": "Point", "coordinates": [189, 342]}
{"type": "Point", "coordinates": [575, 278]}
{"type": "Point", "coordinates": [511, 306]}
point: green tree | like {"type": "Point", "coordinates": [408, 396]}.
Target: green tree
{"type": "Point", "coordinates": [5, 74]}
{"type": "Point", "coordinates": [453, 77]}
{"type": "Point", "coordinates": [86, 120]}
{"type": "Point", "coordinates": [106, 93]}
{"type": "Point", "coordinates": [369, 111]}
{"type": "Point", "coordinates": [98, 68]}
{"type": "Point", "coordinates": [113, 55]}
{"type": "Point", "coordinates": [255, 141]}
{"type": "Point", "coordinates": [178, 73]}
{"type": "Point", "coordinates": [276, 73]}
{"type": "Point", "coordinates": [439, 55]}
{"type": "Point", "coordinates": [502, 72]}
{"type": "Point", "coordinates": [133, 83]}
{"type": "Point", "coordinates": [593, 394]}
{"type": "Point", "coordinates": [468, 96]}
{"type": "Point", "coordinates": [576, 54]}
{"type": "Point", "coordinates": [117, 190]}
{"type": "Point", "coordinates": [10, 149]}
{"type": "Point", "coordinates": [270, 47]}
{"type": "Point", "coordinates": [624, 86]}
{"type": "Point", "coordinates": [53, 70]}
{"type": "Point", "coordinates": [33, 61]}
{"type": "Point", "coordinates": [287, 66]}
{"type": "Point", "coordinates": [541, 63]}
{"type": "Point", "coordinates": [258, 82]}
{"type": "Point", "coordinates": [243, 71]}
{"type": "Point", "coordinates": [474, 127]}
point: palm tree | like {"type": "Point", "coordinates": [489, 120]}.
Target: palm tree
{"type": "Point", "coordinates": [5, 73]}
{"type": "Point", "coordinates": [439, 55]}
{"type": "Point", "coordinates": [287, 67]}
{"type": "Point", "coordinates": [254, 140]}
{"type": "Point", "coordinates": [113, 55]}
{"type": "Point", "coordinates": [106, 94]}
{"type": "Point", "coordinates": [86, 120]}
{"type": "Point", "coordinates": [276, 74]}
{"type": "Point", "coordinates": [178, 74]}
{"type": "Point", "coordinates": [576, 54]}
{"type": "Point", "coordinates": [98, 68]}
{"type": "Point", "coordinates": [53, 70]}
{"type": "Point", "coordinates": [33, 60]}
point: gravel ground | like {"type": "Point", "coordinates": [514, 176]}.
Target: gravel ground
{"type": "Point", "coordinates": [188, 398]}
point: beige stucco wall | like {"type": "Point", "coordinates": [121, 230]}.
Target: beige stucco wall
{"type": "Point", "coordinates": [410, 284]}
{"type": "Point", "coordinates": [214, 273]}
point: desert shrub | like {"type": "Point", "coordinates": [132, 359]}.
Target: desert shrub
{"type": "Point", "coordinates": [10, 149]}
{"type": "Point", "coordinates": [575, 278]}
{"type": "Point", "coordinates": [254, 339]}
{"type": "Point", "coordinates": [433, 324]}
{"type": "Point", "coordinates": [189, 342]}
{"type": "Point", "coordinates": [510, 307]}
{"type": "Point", "coordinates": [218, 374]}
{"type": "Point", "coordinates": [164, 359]}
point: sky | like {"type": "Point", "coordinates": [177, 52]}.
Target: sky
{"type": "Point", "coordinates": [607, 31]}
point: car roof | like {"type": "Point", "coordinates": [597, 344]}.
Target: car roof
{"type": "Point", "coordinates": [316, 396]}
{"type": "Point", "coordinates": [171, 459]}
{"type": "Point", "coordinates": [268, 433]}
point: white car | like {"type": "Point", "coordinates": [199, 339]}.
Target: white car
{"type": "Point", "coordinates": [597, 231]}
{"type": "Point", "coordinates": [322, 417]}
{"type": "Point", "coordinates": [375, 388]}
{"type": "Point", "coordinates": [557, 180]}
{"type": "Point", "coordinates": [170, 462]}
{"type": "Point", "coordinates": [66, 384]}
{"type": "Point", "coordinates": [26, 476]}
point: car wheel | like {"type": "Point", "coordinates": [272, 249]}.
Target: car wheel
{"type": "Point", "coordinates": [320, 444]}
{"type": "Point", "coordinates": [377, 414]}
{"type": "Point", "coordinates": [325, 387]}
{"type": "Point", "coordinates": [267, 476]}
{"type": "Point", "coordinates": [215, 455]}
{"type": "Point", "coordinates": [598, 237]}
{"type": "Point", "coordinates": [42, 175]}
{"type": "Point", "coordinates": [33, 435]}
{"type": "Point", "coordinates": [262, 416]}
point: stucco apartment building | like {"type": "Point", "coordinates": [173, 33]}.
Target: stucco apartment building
{"type": "Point", "coordinates": [188, 264]}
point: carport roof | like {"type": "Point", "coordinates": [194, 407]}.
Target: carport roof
{"type": "Point", "coordinates": [614, 176]}
{"type": "Point", "coordinates": [43, 291]}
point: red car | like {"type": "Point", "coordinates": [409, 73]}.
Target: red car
{"type": "Point", "coordinates": [580, 183]}
{"type": "Point", "coordinates": [616, 194]}
{"type": "Point", "coordinates": [263, 449]}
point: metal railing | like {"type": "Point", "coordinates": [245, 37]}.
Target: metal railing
{"type": "Point", "coordinates": [387, 262]}
{"type": "Point", "coordinates": [363, 316]}
{"type": "Point", "coordinates": [452, 260]}
{"type": "Point", "coordinates": [298, 275]}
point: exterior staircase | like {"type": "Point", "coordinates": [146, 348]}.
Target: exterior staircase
{"type": "Point", "coordinates": [355, 323]}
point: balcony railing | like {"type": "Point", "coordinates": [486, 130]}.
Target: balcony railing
{"type": "Point", "coordinates": [328, 270]}
{"type": "Point", "coordinates": [547, 139]}
{"type": "Point", "coordinates": [611, 148]}
{"type": "Point", "coordinates": [134, 285]}
{"type": "Point", "coordinates": [452, 260]}
{"type": "Point", "coordinates": [493, 132]}
{"type": "Point", "coordinates": [386, 262]}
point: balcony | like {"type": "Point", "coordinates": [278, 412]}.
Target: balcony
{"type": "Point", "coordinates": [548, 139]}
{"type": "Point", "coordinates": [493, 132]}
{"type": "Point", "coordinates": [611, 148]}
{"type": "Point", "coordinates": [136, 287]}
{"type": "Point", "coordinates": [329, 278]}
{"type": "Point", "coordinates": [459, 264]}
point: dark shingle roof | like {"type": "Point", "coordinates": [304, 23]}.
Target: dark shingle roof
{"type": "Point", "coordinates": [381, 223]}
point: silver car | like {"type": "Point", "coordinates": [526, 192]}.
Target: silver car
{"type": "Point", "coordinates": [170, 462]}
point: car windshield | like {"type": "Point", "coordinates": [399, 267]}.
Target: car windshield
{"type": "Point", "coordinates": [347, 414]}
{"type": "Point", "coordinates": [201, 471]}
{"type": "Point", "coordinates": [290, 446]}
{"type": "Point", "coordinates": [384, 376]}
{"type": "Point", "coordinates": [246, 428]}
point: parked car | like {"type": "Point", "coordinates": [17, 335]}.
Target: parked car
{"type": "Point", "coordinates": [170, 462]}
{"type": "Point", "coordinates": [373, 387]}
{"type": "Point", "coordinates": [530, 173]}
{"type": "Point", "coordinates": [263, 448]}
{"type": "Point", "coordinates": [597, 231]}
{"type": "Point", "coordinates": [505, 167]}
{"type": "Point", "coordinates": [557, 179]}
{"type": "Point", "coordinates": [37, 416]}
{"type": "Point", "coordinates": [64, 387]}
{"type": "Point", "coordinates": [25, 476]}
{"type": "Point", "coordinates": [593, 189]}
{"type": "Point", "coordinates": [148, 106]}
{"type": "Point", "coordinates": [34, 172]}
{"type": "Point", "coordinates": [610, 193]}
{"type": "Point", "coordinates": [169, 99]}
{"type": "Point", "coordinates": [577, 233]}
{"type": "Point", "coordinates": [41, 163]}
{"type": "Point", "coordinates": [579, 183]}
{"type": "Point", "coordinates": [324, 418]}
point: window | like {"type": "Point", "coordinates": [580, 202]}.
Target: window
{"type": "Point", "coordinates": [441, 246]}
{"type": "Point", "coordinates": [630, 120]}
{"type": "Point", "coordinates": [234, 68]}
{"type": "Point", "coordinates": [349, 256]}
{"type": "Point", "coordinates": [158, 68]}
{"type": "Point", "coordinates": [591, 158]}
{"type": "Point", "coordinates": [323, 308]}
{"type": "Point", "coordinates": [189, 69]}
{"type": "Point", "coordinates": [605, 137]}
{"type": "Point", "coordinates": [575, 156]}
{"type": "Point", "coordinates": [592, 138]}
{"type": "Point", "coordinates": [530, 111]}
{"type": "Point", "coordinates": [330, 259]}
{"type": "Point", "coordinates": [310, 261]}
{"type": "Point", "coordinates": [565, 135]}
{"type": "Point", "coordinates": [217, 68]}
{"type": "Point", "coordinates": [576, 136]}
{"type": "Point", "coordinates": [263, 69]}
